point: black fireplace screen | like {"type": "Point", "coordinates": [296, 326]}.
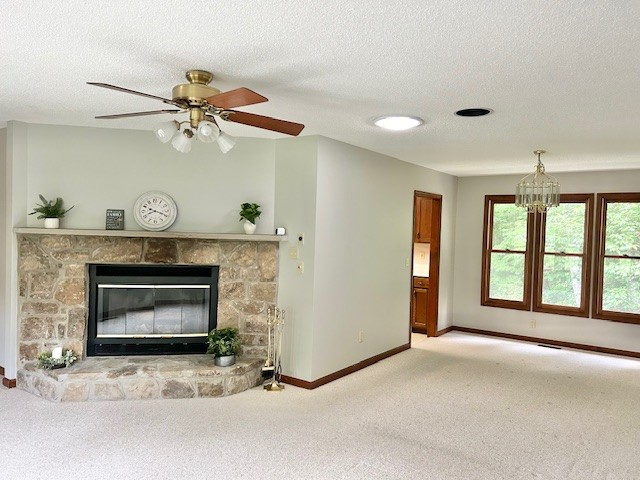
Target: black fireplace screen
{"type": "Point", "coordinates": [150, 309]}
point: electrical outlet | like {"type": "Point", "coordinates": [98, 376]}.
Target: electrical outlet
{"type": "Point", "coordinates": [532, 323]}
{"type": "Point", "coordinates": [293, 252]}
{"type": "Point", "coordinates": [300, 267]}
{"type": "Point", "coordinates": [360, 336]}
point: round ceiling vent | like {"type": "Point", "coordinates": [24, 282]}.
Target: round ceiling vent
{"type": "Point", "coordinates": [473, 112]}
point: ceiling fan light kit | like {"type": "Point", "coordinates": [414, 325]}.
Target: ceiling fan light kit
{"type": "Point", "coordinates": [207, 131]}
{"type": "Point", "coordinates": [182, 141]}
{"type": "Point", "coordinates": [166, 130]}
{"type": "Point", "coordinates": [204, 103]}
{"type": "Point", "coordinates": [225, 142]}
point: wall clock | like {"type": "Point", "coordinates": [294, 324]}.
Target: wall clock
{"type": "Point", "coordinates": [155, 211]}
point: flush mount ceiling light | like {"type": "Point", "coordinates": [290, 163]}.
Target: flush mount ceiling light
{"type": "Point", "coordinates": [398, 122]}
{"type": "Point", "coordinates": [473, 112]}
{"type": "Point", "coordinates": [538, 191]}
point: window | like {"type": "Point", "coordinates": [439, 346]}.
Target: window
{"type": "Point", "coordinates": [560, 271]}
{"type": "Point", "coordinates": [563, 247]}
{"type": "Point", "coordinates": [617, 269]}
{"type": "Point", "coordinates": [506, 257]}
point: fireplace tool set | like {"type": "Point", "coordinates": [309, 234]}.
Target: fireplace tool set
{"type": "Point", "coordinates": [272, 366]}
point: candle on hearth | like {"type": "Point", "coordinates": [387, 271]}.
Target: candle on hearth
{"type": "Point", "coordinates": [57, 352]}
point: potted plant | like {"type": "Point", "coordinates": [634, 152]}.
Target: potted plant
{"type": "Point", "coordinates": [249, 212]}
{"type": "Point", "coordinates": [51, 211]}
{"type": "Point", "coordinates": [223, 345]}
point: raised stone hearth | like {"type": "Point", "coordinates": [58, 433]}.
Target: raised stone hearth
{"type": "Point", "coordinates": [141, 377]}
{"type": "Point", "coordinates": [53, 291]}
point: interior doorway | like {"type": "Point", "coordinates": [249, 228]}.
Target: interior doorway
{"type": "Point", "coordinates": [425, 266]}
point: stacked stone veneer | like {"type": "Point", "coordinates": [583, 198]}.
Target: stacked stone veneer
{"type": "Point", "coordinates": [53, 284]}
{"type": "Point", "coordinates": [139, 378]}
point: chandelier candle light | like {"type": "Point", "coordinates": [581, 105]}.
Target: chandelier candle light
{"type": "Point", "coordinates": [275, 322]}
{"type": "Point", "coordinates": [538, 191]}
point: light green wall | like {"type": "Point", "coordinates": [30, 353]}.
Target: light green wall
{"type": "Point", "coordinates": [17, 165]}
{"type": "Point", "coordinates": [97, 168]}
{"type": "Point", "coordinates": [296, 179]}
{"type": "Point", "coordinates": [355, 208]}
{"type": "Point", "coordinates": [3, 243]}
{"type": "Point", "coordinates": [364, 222]}
{"type": "Point", "coordinates": [468, 265]}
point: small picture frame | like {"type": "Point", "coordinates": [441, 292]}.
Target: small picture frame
{"type": "Point", "coordinates": [114, 219]}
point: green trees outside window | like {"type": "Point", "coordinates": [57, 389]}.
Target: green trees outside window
{"type": "Point", "coordinates": [506, 259]}
{"type": "Point", "coordinates": [562, 277]}
{"type": "Point", "coordinates": [509, 245]}
{"type": "Point", "coordinates": [544, 262]}
{"type": "Point", "coordinates": [618, 258]}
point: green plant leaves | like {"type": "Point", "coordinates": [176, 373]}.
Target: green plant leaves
{"type": "Point", "coordinates": [223, 342]}
{"type": "Point", "coordinates": [49, 208]}
{"type": "Point", "coordinates": [250, 211]}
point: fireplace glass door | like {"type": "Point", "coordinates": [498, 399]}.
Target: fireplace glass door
{"type": "Point", "coordinates": [152, 311]}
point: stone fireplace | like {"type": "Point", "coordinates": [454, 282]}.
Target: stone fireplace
{"type": "Point", "coordinates": [53, 272]}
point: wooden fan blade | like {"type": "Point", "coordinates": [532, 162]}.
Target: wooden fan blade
{"type": "Point", "coordinates": [133, 92]}
{"type": "Point", "coordinates": [236, 98]}
{"type": "Point", "coordinates": [138, 114]}
{"type": "Point", "coordinates": [261, 121]}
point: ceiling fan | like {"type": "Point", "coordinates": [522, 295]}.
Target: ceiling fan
{"type": "Point", "coordinates": [204, 104]}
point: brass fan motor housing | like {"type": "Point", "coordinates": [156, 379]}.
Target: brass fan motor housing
{"type": "Point", "coordinates": [196, 91]}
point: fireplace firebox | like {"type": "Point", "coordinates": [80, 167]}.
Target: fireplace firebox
{"type": "Point", "coordinates": [151, 309]}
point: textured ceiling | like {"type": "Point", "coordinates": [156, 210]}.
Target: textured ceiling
{"type": "Point", "coordinates": [563, 76]}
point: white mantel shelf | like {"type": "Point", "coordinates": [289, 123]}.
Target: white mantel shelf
{"type": "Point", "coordinates": [146, 234]}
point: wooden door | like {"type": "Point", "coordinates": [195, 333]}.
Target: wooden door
{"type": "Point", "coordinates": [420, 309]}
{"type": "Point", "coordinates": [423, 208]}
{"type": "Point", "coordinates": [424, 290]}
{"type": "Point", "coordinates": [420, 305]}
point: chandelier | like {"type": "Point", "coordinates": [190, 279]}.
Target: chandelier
{"type": "Point", "coordinates": [181, 134]}
{"type": "Point", "coordinates": [538, 191]}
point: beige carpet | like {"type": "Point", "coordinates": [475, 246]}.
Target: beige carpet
{"type": "Point", "coordinates": [455, 407]}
